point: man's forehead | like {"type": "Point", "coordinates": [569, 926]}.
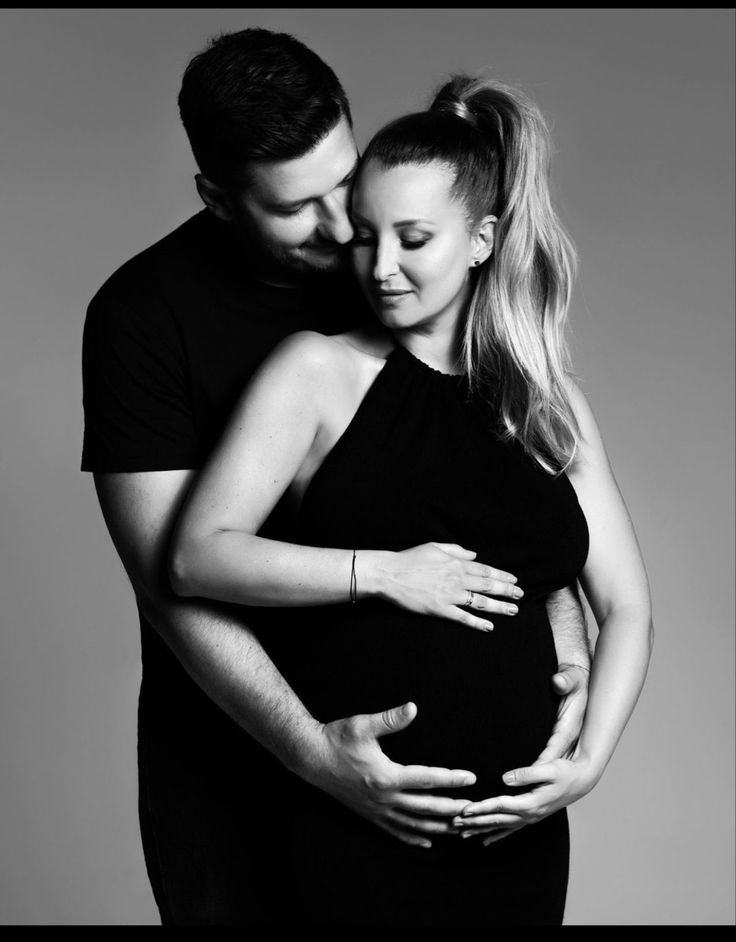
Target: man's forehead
{"type": "Point", "coordinates": [311, 176]}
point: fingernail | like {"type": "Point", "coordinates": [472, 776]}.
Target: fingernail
{"type": "Point", "coordinates": [466, 834]}
{"type": "Point", "coordinates": [468, 780]}
{"type": "Point", "coordinates": [518, 593]}
{"type": "Point", "coordinates": [513, 609]}
{"type": "Point", "coordinates": [489, 627]}
{"type": "Point", "coordinates": [426, 844]}
{"type": "Point", "coordinates": [509, 778]}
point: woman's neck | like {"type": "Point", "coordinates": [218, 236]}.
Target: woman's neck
{"type": "Point", "coordinates": [439, 348]}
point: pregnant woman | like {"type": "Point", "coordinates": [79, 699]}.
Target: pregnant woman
{"type": "Point", "coordinates": [450, 425]}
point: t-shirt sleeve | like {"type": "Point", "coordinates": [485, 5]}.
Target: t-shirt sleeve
{"type": "Point", "coordinates": [137, 407]}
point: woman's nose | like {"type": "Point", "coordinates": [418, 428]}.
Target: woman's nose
{"type": "Point", "coordinates": [385, 263]}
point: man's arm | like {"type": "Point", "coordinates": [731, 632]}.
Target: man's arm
{"type": "Point", "coordinates": [228, 662]}
{"type": "Point", "coordinates": [570, 634]}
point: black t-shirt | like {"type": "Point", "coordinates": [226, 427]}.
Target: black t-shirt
{"type": "Point", "coordinates": [170, 341]}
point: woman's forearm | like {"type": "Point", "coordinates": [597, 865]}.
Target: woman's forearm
{"type": "Point", "coordinates": [232, 566]}
{"type": "Point", "coordinates": [619, 668]}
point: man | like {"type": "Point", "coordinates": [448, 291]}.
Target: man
{"type": "Point", "coordinates": [170, 341]}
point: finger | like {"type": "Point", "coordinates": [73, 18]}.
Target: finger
{"type": "Point", "coordinates": [530, 775]}
{"type": "Point", "coordinates": [425, 825]}
{"type": "Point", "coordinates": [475, 600]}
{"type": "Point", "coordinates": [436, 805]}
{"type": "Point", "coordinates": [479, 583]}
{"type": "Point", "coordinates": [471, 825]}
{"type": "Point", "coordinates": [558, 747]}
{"type": "Point", "coordinates": [562, 683]}
{"type": "Point", "coordinates": [569, 681]}
{"type": "Point", "coordinates": [426, 776]}
{"type": "Point", "coordinates": [488, 572]}
{"type": "Point", "coordinates": [414, 840]}
{"type": "Point", "coordinates": [502, 804]}
{"type": "Point", "coordinates": [465, 618]}
{"type": "Point", "coordinates": [498, 836]}
{"type": "Point", "coordinates": [389, 721]}
{"type": "Point", "coordinates": [453, 549]}
{"type": "Point", "coordinates": [566, 730]}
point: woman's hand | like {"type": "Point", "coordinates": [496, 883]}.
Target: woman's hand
{"type": "Point", "coordinates": [439, 579]}
{"type": "Point", "coordinates": [558, 784]}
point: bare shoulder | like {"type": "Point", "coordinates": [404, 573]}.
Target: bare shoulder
{"type": "Point", "coordinates": [591, 449]}
{"type": "Point", "coordinates": [321, 368]}
{"type": "Point", "coordinates": [361, 351]}
{"type": "Point", "coordinates": [581, 409]}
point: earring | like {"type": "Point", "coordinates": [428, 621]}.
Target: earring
{"type": "Point", "coordinates": [476, 261]}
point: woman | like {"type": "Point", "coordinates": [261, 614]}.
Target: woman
{"type": "Point", "coordinates": [452, 424]}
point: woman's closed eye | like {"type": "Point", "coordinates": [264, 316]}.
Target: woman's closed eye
{"type": "Point", "coordinates": [366, 238]}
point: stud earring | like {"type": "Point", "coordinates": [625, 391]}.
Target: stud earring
{"type": "Point", "coordinates": [476, 261]}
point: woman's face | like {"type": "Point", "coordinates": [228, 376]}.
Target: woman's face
{"type": "Point", "coordinates": [412, 250]}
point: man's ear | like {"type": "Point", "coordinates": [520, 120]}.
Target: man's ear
{"type": "Point", "coordinates": [214, 197]}
{"type": "Point", "coordinates": [484, 236]}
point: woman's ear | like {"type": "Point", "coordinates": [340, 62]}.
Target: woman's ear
{"type": "Point", "coordinates": [483, 239]}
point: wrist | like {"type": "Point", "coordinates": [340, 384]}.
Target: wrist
{"type": "Point", "coordinates": [371, 571]}
{"type": "Point", "coordinates": [566, 665]}
{"type": "Point", "coordinates": [305, 756]}
{"type": "Point", "coordinates": [590, 768]}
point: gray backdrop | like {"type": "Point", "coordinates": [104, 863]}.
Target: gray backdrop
{"type": "Point", "coordinates": [95, 166]}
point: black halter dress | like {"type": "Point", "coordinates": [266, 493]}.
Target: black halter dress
{"type": "Point", "coordinates": [420, 462]}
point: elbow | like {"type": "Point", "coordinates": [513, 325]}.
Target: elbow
{"type": "Point", "coordinates": [180, 571]}
{"type": "Point", "coordinates": [651, 634]}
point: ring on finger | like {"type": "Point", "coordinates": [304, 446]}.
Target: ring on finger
{"type": "Point", "coordinates": [470, 599]}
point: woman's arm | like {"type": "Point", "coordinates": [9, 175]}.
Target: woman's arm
{"type": "Point", "coordinates": [615, 583]}
{"type": "Point", "coordinates": [288, 418]}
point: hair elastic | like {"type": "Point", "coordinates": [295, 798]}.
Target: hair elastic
{"type": "Point", "coordinates": [353, 581]}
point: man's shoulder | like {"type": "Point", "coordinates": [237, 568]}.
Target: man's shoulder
{"type": "Point", "coordinates": [138, 277]}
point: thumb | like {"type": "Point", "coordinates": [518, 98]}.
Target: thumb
{"type": "Point", "coordinates": [392, 721]}
{"type": "Point", "coordinates": [453, 549]}
{"type": "Point", "coordinates": [562, 682]}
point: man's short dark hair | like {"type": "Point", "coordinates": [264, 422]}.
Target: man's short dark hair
{"type": "Point", "coordinates": [257, 95]}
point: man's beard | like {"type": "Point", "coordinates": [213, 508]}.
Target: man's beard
{"type": "Point", "coordinates": [308, 262]}
{"type": "Point", "coordinates": [304, 263]}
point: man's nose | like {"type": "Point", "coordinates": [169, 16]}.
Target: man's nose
{"type": "Point", "coordinates": [335, 222]}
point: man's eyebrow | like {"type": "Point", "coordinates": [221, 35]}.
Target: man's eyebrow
{"type": "Point", "coordinates": [348, 178]}
{"type": "Point", "coordinates": [350, 175]}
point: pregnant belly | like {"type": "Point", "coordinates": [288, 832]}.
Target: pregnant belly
{"type": "Point", "coordinates": [484, 699]}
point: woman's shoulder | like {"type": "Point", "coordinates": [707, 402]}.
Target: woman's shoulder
{"type": "Point", "coordinates": [309, 351]}
{"type": "Point", "coordinates": [591, 448]}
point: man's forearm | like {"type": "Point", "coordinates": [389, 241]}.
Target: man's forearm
{"type": "Point", "coordinates": [568, 627]}
{"type": "Point", "coordinates": [226, 659]}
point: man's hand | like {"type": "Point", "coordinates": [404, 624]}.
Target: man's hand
{"type": "Point", "coordinates": [352, 767]}
{"type": "Point", "coordinates": [558, 783]}
{"type": "Point", "coordinates": [571, 683]}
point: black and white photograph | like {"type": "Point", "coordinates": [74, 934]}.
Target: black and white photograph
{"type": "Point", "coordinates": [368, 467]}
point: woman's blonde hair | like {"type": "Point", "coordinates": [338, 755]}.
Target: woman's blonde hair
{"type": "Point", "coordinates": [496, 142]}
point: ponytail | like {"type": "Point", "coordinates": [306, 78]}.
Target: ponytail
{"type": "Point", "coordinates": [514, 351]}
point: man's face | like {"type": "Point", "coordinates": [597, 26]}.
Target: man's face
{"type": "Point", "coordinates": [296, 210]}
